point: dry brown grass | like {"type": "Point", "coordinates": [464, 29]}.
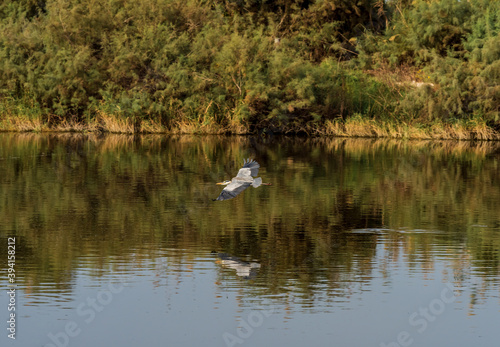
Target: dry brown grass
{"type": "Point", "coordinates": [114, 124]}
{"type": "Point", "coordinates": [361, 127]}
{"type": "Point", "coordinates": [356, 126]}
{"type": "Point", "coordinates": [195, 127]}
{"type": "Point", "coordinates": [21, 124]}
{"type": "Point", "coordinates": [150, 126]}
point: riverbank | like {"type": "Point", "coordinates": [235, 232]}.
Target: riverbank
{"type": "Point", "coordinates": [357, 126]}
{"type": "Point", "coordinates": [419, 69]}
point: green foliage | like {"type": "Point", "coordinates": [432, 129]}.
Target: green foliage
{"type": "Point", "coordinates": [251, 62]}
{"type": "Point", "coordinates": [285, 65]}
{"type": "Point", "coordinates": [456, 46]}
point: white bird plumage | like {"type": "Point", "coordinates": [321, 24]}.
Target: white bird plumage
{"type": "Point", "coordinates": [243, 180]}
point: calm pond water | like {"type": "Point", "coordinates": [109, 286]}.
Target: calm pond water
{"type": "Point", "coordinates": [358, 242]}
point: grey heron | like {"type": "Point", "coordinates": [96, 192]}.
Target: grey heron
{"type": "Point", "coordinates": [243, 180]}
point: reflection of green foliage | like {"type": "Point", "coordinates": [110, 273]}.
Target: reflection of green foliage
{"type": "Point", "coordinates": [75, 201]}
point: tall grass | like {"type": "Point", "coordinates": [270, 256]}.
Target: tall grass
{"type": "Point", "coordinates": [363, 127]}
{"type": "Point", "coordinates": [192, 66]}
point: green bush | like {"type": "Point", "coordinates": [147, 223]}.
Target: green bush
{"type": "Point", "coordinates": [285, 65]}
{"type": "Point", "coordinates": [456, 46]}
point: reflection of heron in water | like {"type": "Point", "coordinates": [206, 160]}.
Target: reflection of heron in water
{"type": "Point", "coordinates": [243, 180]}
{"type": "Point", "coordinates": [243, 269]}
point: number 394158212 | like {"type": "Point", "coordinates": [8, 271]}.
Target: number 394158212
{"type": "Point", "coordinates": [11, 257]}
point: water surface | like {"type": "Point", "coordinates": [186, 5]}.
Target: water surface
{"type": "Point", "coordinates": [358, 242]}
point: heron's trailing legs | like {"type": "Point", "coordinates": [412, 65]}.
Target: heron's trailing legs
{"type": "Point", "coordinates": [243, 180]}
{"type": "Point", "coordinates": [258, 182]}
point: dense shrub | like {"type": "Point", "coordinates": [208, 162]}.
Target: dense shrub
{"type": "Point", "coordinates": [281, 65]}
{"type": "Point", "coordinates": [456, 47]}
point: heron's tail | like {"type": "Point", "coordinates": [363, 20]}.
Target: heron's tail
{"type": "Point", "coordinates": [257, 182]}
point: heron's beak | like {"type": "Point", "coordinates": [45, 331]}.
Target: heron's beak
{"type": "Point", "coordinates": [220, 183]}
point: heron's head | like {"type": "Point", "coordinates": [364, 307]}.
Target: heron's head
{"type": "Point", "coordinates": [225, 183]}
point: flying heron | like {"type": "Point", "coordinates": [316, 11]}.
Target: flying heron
{"type": "Point", "coordinates": [243, 180]}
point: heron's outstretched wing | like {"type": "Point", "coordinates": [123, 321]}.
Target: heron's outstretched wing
{"type": "Point", "coordinates": [233, 189]}
{"type": "Point", "coordinates": [250, 168]}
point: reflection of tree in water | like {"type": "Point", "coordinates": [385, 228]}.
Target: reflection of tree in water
{"type": "Point", "coordinates": [73, 196]}
{"type": "Point", "coordinates": [313, 253]}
